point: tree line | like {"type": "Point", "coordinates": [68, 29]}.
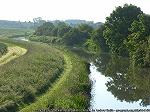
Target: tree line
{"type": "Point", "coordinates": [126, 32]}
{"type": "Point", "coordinates": [69, 35]}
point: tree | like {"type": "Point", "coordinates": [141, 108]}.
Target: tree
{"type": "Point", "coordinates": [74, 37]}
{"type": "Point", "coordinates": [45, 29]}
{"type": "Point", "coordinates": [85, 28]}
{"type": "Point", "coordinates": [138, 42]}
{"type": "Point", "coordinates": [97, 35]}
{"type": "Point", "coordinates": [97, 42]}
{"type": "Point", "coordinates": [38, 21]}
{"type": "Point", "coordinates": [92, 45]}
{"type": "Point", "coordinates": [62, 29]}
{"type": "Point", "coordinates": [117, 25]}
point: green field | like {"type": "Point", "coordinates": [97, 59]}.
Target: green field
{"type": "Point", "coordinates": [29, 82]}
{"type": "Point", "coordinates": [70, 91]}
{"type": "Point", "coordinates": [15, 32]}
{"type": "Point", "coordinates": [29, 75]}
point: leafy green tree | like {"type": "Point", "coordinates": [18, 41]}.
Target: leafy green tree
{"type": "Point", "coordinates": [117, 25]}
{"type": "Point", "coordinates": [74, 37]}
{"type": "Point", "coordinates": [45, 29]}
{"type": "Point", "coordinates": [85, 28]}
{"type": "Point", "coordinates": [92, 45]}
{"type": "Point", "coordinates": [54, 31]}
{"type": "Point", "coordinates": [97, 42]}
{"type": "Point", "coordinates": [138, 41]}
{"type": "Point", "coordinates": [38, 22]}
{"type": "Point", "coordinates": [62, 29]}
{"type": "Point", "coordinates": [97, 36]}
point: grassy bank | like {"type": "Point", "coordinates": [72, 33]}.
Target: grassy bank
{"type": "Point", "coordinates": [12, 53]}
{"type": "Point", "coordinates": [28, 76]}
{"type": "Point", "coordinates": [70, 91]}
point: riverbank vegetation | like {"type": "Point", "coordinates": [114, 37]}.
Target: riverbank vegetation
{"type": "Point", "coordinates": [125, 33]}
{"type": "Point", "coordinates": [52, 77]}
{"type": "Point", "coordinates": [29, 75]}
{"type": "Point", "coordinates": [70, 91]}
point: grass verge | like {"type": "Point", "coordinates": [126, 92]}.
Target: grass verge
{"type": "Point", "coordinates": [28, 76]}
{"type": "Point", "coordinates": [70, 91]}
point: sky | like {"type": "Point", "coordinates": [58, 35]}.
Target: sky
{"type": "Point", "coordinates": [90, 10]}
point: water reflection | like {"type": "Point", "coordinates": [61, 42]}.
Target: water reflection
{"type": "Point", "coordinates": [126, 82]}
{"type": "Point", "coordinates": [117, 84]}
{"type": "Point", "coordinates": [21, 38]}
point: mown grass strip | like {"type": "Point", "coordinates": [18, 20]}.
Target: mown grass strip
{"type": "Point", "coordinates": [13, 52]}
{"type": "Point", "coordinates": [70, 91]}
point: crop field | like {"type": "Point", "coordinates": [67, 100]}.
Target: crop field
{"type": "Point", "coordinates": [29, 75]}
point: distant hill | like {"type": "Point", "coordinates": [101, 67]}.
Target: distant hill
{"type": "Point", "coordinates": [75, 22]}
{"type": "Point", "coordinates": [26, 25]}
{"type": "Point", "coordinates": [15, 24]}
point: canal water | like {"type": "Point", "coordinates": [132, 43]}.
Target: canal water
{"type": "Point", "coordinates": [115, 86]}
{"type": "Point", "coordinates": [115, 83]}
{"type": "Point", "coordinates": [21, 38]}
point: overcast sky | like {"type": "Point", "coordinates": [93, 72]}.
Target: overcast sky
{"type": "Point", "coordinates": [93, 10]}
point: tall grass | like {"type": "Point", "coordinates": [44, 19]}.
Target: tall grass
{"type": "Point", "coordinates": [70, 91]}
{"type": "Point", "coordinates": [22, 79]}
{"type": "Point", "coordinates": [46, 39]}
